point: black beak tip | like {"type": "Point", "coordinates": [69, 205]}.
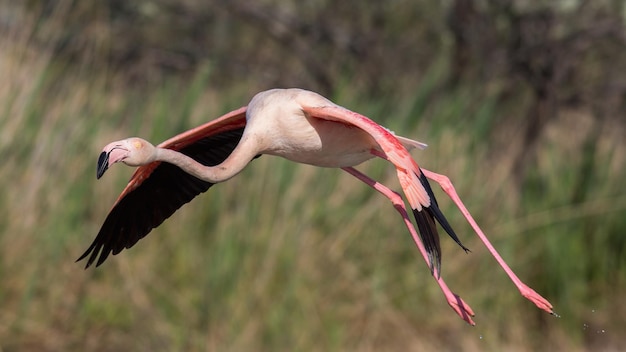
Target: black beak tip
{"type": "Point", "coordinates": [103, 164]}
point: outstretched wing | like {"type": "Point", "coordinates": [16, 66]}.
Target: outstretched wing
{"type": "Point", "coordinates": [157, 190]}
{"type": "Point", "coordinates": [413, 182]}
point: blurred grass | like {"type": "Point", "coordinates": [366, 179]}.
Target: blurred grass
{"type": "Point", "coordinates": [290, 257]}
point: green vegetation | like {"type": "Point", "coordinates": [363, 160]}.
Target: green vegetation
{"type": "Point", "coordinates": [291, 257]}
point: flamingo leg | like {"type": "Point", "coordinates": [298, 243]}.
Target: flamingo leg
{"type": "Point", "coordinates": [457, 304]}
{"type": "Point", "coordinates": [526, 291]}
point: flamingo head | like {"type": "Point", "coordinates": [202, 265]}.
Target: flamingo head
{"type": "Point", "coordinates": [131, 151]}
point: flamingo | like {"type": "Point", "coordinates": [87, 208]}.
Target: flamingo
{"type": "Point", "coordinates": [295, 124]}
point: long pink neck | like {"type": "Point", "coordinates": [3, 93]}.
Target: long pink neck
{"type": "Point", "coordinates": [236, 161]}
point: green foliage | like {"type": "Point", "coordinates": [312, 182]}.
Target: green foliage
{"type": "Point", "coordinates": [291, 257]}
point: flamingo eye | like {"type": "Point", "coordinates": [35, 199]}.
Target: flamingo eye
{"type": "Point", "coordinates": [138, 145]}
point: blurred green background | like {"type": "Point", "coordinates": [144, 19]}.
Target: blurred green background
{"type": "Point", "coordinates": [521, 102]}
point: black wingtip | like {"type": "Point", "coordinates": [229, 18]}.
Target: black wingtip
{"type": "Point", "coordinates": [84, 255]}
{"type": "Point", "coordinates": [103, 164]}
{"type": "Point", "coordinates": [430, 239]}
{"type": "Point", "coordinates": [436, 213]}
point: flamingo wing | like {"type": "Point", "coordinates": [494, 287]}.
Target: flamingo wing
{"type": "Point", "coordinates": [157, 190]}
{"type": "Point", "coordinates": [414, 184]}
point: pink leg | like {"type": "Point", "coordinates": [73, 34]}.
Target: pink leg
{"type": "Point", "coordinates": [459, 306]}
{"type": "Point", "coordinates": [526, 291]}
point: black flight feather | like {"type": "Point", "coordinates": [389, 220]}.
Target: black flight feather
{"type": "Point", "coordinates": [425, 220]}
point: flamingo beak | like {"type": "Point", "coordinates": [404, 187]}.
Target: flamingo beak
{"type": "Point", "coordinates": [103, 164]}
{"type": "Point", "coordinates": [111, 154]}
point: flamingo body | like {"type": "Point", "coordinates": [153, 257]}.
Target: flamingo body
{"type": "Point", "coordinates": [297, 136]}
